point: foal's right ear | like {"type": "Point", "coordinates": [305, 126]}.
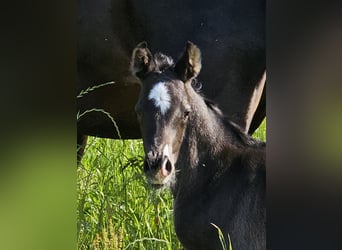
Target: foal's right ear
{"type": "Point", "coordinates": [142, 60]}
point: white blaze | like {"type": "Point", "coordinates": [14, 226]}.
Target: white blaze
{"type": "Point", "coordinates": [161, 97]}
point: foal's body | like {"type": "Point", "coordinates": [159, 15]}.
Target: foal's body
{"type": "Point", "coordinates": [224, 184]}
{"type": "Point", "coordinates": [216, 172]}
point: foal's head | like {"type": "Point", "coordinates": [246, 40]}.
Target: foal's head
{"type": "Point", "coordinates": [163, 107]}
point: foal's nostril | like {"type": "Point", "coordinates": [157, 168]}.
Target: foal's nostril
{"type": "Point", "coordinates": [168, 166]}
{"type": "Point", "coordinates": [161, 165]}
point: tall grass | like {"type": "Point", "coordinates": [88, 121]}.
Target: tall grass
{"type": "Point", "coordinates": [116, 208]}
{"type": "Point", "coordinates": [222, 239]}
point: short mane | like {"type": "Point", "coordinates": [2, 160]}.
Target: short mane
{"type": "Point", "coordinates": [237, 132]}
{"type": "Point", "coordinates": [163, 62]}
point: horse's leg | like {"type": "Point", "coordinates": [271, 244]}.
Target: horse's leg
{"type": "Point", "coordinates": [254, 104]}
{"type": "Point", "coordinates": [81, 143]}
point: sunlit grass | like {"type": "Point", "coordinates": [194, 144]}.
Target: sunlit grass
{"type": "Point", "coordinates": [116, 208]}
{"type": "Point", "coordinates": [260, 133]}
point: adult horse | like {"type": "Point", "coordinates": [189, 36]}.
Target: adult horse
{"type": "Point", "coordinates": [230, 33]}
{"type": "Point", "coordinates": [216, 172]}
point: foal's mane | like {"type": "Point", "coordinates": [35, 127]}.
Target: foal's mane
{"type": "Point", "coordinates": [163, 62]}
{"type": "Point", "coordinates": [235, 130]}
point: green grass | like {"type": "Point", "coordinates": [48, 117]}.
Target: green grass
{"type": "Point", "coordinates": [116, 209]}
{"type": "Point", "coordinates": [260, 133]}
{"type": "Point", "coordinates": [222, 239]}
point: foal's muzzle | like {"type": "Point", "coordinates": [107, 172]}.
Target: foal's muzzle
{"type": "Point", "coordinates": [158, 169]}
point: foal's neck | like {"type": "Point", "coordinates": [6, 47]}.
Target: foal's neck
{"type": "Point", "coordinates": [208, 128]}
{"type": "Point", "coordinates": [205, 142]}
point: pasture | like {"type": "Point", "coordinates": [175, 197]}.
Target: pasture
{"type": "Point", "coordinates": [116, 208]}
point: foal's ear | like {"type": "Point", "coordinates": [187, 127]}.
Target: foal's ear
{"type": "Point", "coordinates": [141, 61]}
{"type": "Point", "coordinates": [189, 66]}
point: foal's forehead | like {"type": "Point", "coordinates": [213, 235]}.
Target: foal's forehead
{"type": "Point", "coordinates": [160, 96]}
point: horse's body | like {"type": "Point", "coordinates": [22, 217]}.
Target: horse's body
{"type": "Point", "coordinates": [216, 172]}
{"type": "Point", "coordinates": [230, 33]}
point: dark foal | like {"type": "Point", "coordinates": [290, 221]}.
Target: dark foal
{"type": "Point", "coordinates": [215, 171]}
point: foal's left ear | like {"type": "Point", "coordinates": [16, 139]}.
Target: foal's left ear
{"type": "Point", "coordinates": [189, 66]}
{"type": "Point", "coordinates": [142, 60]}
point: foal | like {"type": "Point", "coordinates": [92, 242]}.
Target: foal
{"type": "Point", "coordinates": [215, 171]}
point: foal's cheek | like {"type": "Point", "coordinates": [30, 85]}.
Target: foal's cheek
{"type": "Point", "coordinates": [178, 138]}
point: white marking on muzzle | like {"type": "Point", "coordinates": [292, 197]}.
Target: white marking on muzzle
{"type": "Point", "coordinates": [161, 97]}
{"type": "Point", "coordinates": [166, 151]}
{"type": "Point", "coordinates": [167, 157]}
